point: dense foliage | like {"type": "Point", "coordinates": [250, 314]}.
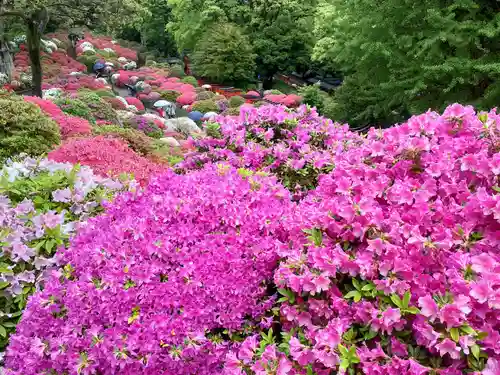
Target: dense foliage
{"type": "Point", "coordinates": [403, 57]}
{"type": "Point", "coordinates": [24, 128]}
{"type": "Point", "coordinates": [224, 54]}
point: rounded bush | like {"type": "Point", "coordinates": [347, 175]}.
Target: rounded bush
{"type": "Point", "coordinates": [145, 125]}
{"type": "Point", "coordinates": [205, 106]}
{"type": "Point", "coordinates": [190, 80]}
{"type": "Point", "coordinates": [169, 95]}
{"type": "Point", "coordinates": [75, 107]}
{"type": "Point", "coordinates": [177, 267]}
{"type": "Point", "coordinates": [204, 95]}
{"type": "Point", "coordinates": [100, 108]}
{"type": "Point", "coordinates": [137, 140]}
{"type": "Point", "coordinates": [25, 129]}
{"type": "Point", "coordinates": [236, 101]}
{"type": "Point", "coordinates": [176, 71]}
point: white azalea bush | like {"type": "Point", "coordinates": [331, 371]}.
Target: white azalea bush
{"type": "Point", "coordinates": [42, 204]}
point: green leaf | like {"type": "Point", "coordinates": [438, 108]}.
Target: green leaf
{"type": "Point", "coordinates": [482, 335]}
{"type": "Point", "coordinates": [406, 299]}
{"type": "Point", "coordinates": [356, 284]}
{"type": "Point", "coordinates": [3, 331]}
{"type": "Point", "coordinates": [343, 350]}
{"type": "Point", "coordinates": [370, 335]}
{"type": "Point", "coordinates": [396, 300]}
{"type": "Point", "coordinates": [4, 284]}
{"type": "Point", "coordinates": [353, 294]}
{"type": "Point", "coordinates": [412, 310]}
{"type": "Point", "coordinates": [368, 287]}
{"type": "Point", "coordinates": [455, 335]}
{"type": "Point", "coordinates": [476, 350]}
{"type": "Point", "coordinates": [496, 188]}
{"type": "Point", "coordinates": [468, 330]}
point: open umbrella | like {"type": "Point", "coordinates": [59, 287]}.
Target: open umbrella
{"type": "Point", "coordinates": [162, 103]}
{"type": "Point", "coordinates": [210, 115]}
{"type": "Point", "coordinates": [98, 65]}
{"type": "Point", "coordinates": [206, 87]}
{"type": "Point", "coordinates": [195, 115]}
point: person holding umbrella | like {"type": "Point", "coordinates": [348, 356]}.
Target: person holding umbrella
{"type": "Point", "coordinates": [165, 108]}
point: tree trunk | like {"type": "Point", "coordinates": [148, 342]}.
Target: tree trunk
{"type": "Point", "coordinates": [72, 49]}
{"type": "Point", "coordinates": [34, 37]}
{"type": "Point", "coordinates": [6, 63]}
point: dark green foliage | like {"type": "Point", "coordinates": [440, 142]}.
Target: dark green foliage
{"type": "Point", "coordinates": [402, 57]}
{"type": "Point", "coordinates": [75, 107]}
{"type": "Point", "coordinates": [236, 101]}
{"type": "Point", "coordinates": [25, 129]}
{"type": "Point", "coordinates": [169, 95]}
{"type": "Point", "coordinates": [313, 96]}
{"type": "Point", "coordinates": [224, 54]}
{"type": "Point", "coordinates": [191, 80]}
{"type": "Point", "coordinates": [176, 71]}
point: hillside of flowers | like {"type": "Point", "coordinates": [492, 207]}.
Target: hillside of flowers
{"type": "Point", "coordinates": [383, 259]}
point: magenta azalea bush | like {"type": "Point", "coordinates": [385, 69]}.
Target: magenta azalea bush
{"type": "Point", "coordinates": [390, 266]}
{"type": "Point", "coordinates": [297, 146]}
{"type": "Point", "coordinates": [178, 269]}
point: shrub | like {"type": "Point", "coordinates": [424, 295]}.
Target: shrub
{"type": "Point", "coordinates": [116, 103]}
{"type": "Point", "coordinates": [176, 266]}
{"type": "Point", "coordinates": [25, 129]}
{"type": "Point", "coordinates": [75, 107]}
{"type": "Point", "coordinates": [232, 111]}
{"type": "Point", "coordinates": [205, 106]}
{"type": "Point", "coordinates": [100, 108]}
{"type": "Point", "coordinates": [401, 237]}
{"type": "Point", "coordinates": [236, 101]}
{"type": "Point", "coordinates": [136, 103]}
{"type": "Point", "coordinates": [169, 95]}
{"type": "Point", "coordinates": [190, 80]}
{"type": "Point", "coordinates": [145, 125]}
{"type": "Point", "coordinates": [137, 140]}
{"type": "Point", "coordinates": [204, 95]}
{"type": "Point", "coordinates": [42, 202]}
{"type": "Point", "coordinates": [313, 96]}
{"type": "Point", "coordinates": [176, 71]}
{"type": "Point", "coordinates": [107, 157]}
{"type": "Point", "coordinates": [224, 54]}
{"type": "Point", "coordinates": [298, 146]}
{"type": "Point", "coordinates": [276, 92]}
{"type": "Point", "coordinates": [105, 93]}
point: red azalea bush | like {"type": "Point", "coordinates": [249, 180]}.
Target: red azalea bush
{"type": "Point", "coordinates": [69, 125]}
{"type": "Point", "coordinates": [107, 157]}
{"type": "Point", "coordinates": [136, 103]}
{"type": "Point", "coordinates": [186, 98]}
{"type": "Point", "coordinates": [154, 292]}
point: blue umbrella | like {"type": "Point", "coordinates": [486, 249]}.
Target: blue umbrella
{"type": "Point", "coordinates": [98, 65]}
{"type": "Point", "coordinates": [195, 115]}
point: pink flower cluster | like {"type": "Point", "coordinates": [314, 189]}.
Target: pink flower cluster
{"type": "Point", "coordinates": [395, 256]}
{"type": "Point", "coordinates": [102, 42]}
{"type": "Point", "coordinates": [157, 80]}
{"type": "Point", "coordinates": [73, 83]}
{"type": "Point", "coordinates": [286, 100]}
{"type": "Point", "coordinates": [136, 103]}
{"type": "Point", "coordinates": [107, 157]}
{"type": "Point", "coordinates": [153, 293]}
{"type": "Point", "coordinates": [390, 265]}
{"type": "Point", "coordinates": [295, 145]}
{"type": "Point", "coordinates": [69, 125]}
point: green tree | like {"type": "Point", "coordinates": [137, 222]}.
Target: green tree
{"type": "Point", "coordinates": [401, 57]}
{"type": "Point", "coordinates": [35, 14]}
{"type": "Point", "coordinates": [224, 54]}
{"type": "Point", "coordinates": [281, 31]}
{"type": "Point", "coordinates": [192, 18]}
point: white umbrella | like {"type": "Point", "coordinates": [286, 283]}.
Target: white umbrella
{"type": "Point", "coordinates": [206, 87]}
{"type": "Point", "coordinates": [162, 103]}
{"type": "Point", "coordinates": [210, 115]}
